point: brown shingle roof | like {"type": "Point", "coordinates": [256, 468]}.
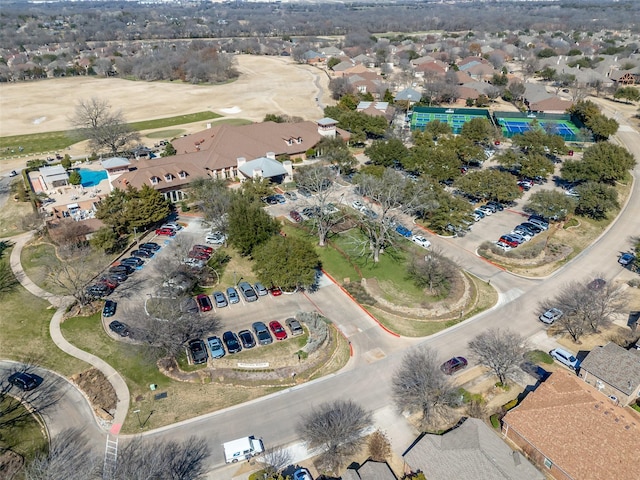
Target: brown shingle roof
{"type": "Point", "coordinates": [159, 167]}
{"type": "Point", "coordinates": [578, 429]}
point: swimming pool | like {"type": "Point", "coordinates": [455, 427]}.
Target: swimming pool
{"type": "Point", "coordinates": [91, 178]}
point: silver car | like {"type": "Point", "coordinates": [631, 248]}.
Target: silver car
{"type": "Point", "coordinates": [551, 316]}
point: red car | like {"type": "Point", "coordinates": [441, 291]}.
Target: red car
{"type": "Point", "coordinates": [202, 248]}
{"type": "Point", "coordinates": [452, 365]}
{"type": "Point", "coordinates": [199, 255]}
{"type": "Point", "coordinates": [204, 302]}
{"type": "Point", "coordinates": [509, 242]}
{"type": "Point", "coordinates": [275, 291]}
{"type": "Point", "coordinates": [278, 330]}
{"type": "Point", "coordinates": [166, 231]}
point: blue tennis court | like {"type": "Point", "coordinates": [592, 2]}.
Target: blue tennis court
{"type": "Point", "coordinates": [565, 128]}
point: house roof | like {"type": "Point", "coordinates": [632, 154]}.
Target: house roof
{"type": "Point", "coordinates": [53, 171]}
{"type": "Point", "coordinates": [268, 167]}
{"type": "Point", "coordinates": [157, 168]}
{"type": "Point", "coordinates": [115, 162]}
{"type": "Point", "coordinates": [578, 429]}
{"type": "Point", "coordinates": [469, 451]}
{"type": "Point", "coordinates": [551, 104]}
{"type": "Point", "coordinates": [614, 365]}
{"type": "Point", "coordinates": [325, 121]}
{"type": "Point", "coordinates": [370, 470]}
{"type": "Point", "coordinates": [409, 94]}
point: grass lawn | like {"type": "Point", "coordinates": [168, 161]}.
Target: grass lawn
{"type": "Point", "coordinates": [11, 214]}
{"type": "Point", "coordinates": [165, 133]}
{"type": "Point", "coordinates": [38, 143]}
{"type": "Point", "coordinates": [26, 317]}
{"type": "Point", "coordinates": [26, 439]}
{"type": "Point", "coordinates": [238, 269]}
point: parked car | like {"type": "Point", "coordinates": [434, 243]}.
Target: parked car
{"type": "Point", "coordinates": [24, 381]}
{"type": "Point", "coordinates": [295, 216]}
{"type": "Point", "coordinates": [119, 328]}
{"type": "Point", "coordinates": [151, 246]}
{"type": "Point", "coordinates": [302, 474]}
{"type": "Point", "coordinates": [199, 255]}
{"type": "Point", "coordinates": [270, 200]}
{"type": "Point", "coordinates": [169, 232]}
{"type": "Point", "coordinates": [280, 198]}
{"type": "Point", "coordinates": [13, 173]}
{"type": "Point", "coordinates": [204, 302]}
{"type": "Point", "coordinates": [521, 232]}
{"type": "Point", "coordinates": [291, 195]}
{"type": "Point", "coordinates": [479, 213]}
{"type": "Point", "coordinates": [262, 333]}
{"type": "Point", "coordinates": [215, 345]}
{"type": "Point", "coordinates": [420, 240]}
{"type": "Point", "coordinates": [278, 330]}
{"type": "Point", "coordinates": [626, 259]}
{"type": "Point", "coordinates": [232, 294]}
{"type": "Point", "coordinates": [565, 357]}
{"type": "Point", "coordinates": [453, 365]}
{"type": "Point", "coordinates": [202, 248]}
{"type": "Point", "coordinates": [496, 206]}
{"type": "Point", "coordinates": [534, 228]}
{"type": "Point", "coordinates": [246, 337]}
{"type": "Point", "coordinates": [219, 299]}
{"type": "Point", "coordinates": [294, 326]}
{"type": "Point", "coordinates": [196, 263]}
{"type": "Point", "coordinates": [118, 276]}
{"type": "Point", "coordinates": [404, 231]}
{"type": "Point", "coordinates": [304, 192]}
{"type": "Point", "coordinates": [507, 241]}
{"type": "Point", "coordinates": [172, 225]}
{"type": "Point", "coordinates": [539, 222]}
{"type": "Point", "coordinates": [198, 351]}
{"type": "Point", "coordinates": [231, 341]}
{"type": "Point", "coordinates": [551, 316]}
{"type": "Point", "coordinates": [248, 292]}
{"type": "Point", "coordinates": [142, 253]}
{"type": "Point", "coordinates": [133, 261]}
{"type": "Point", "coordinates": [275, 291]}
{"type": "Point", "coordinates": [486, 210]}
{"type": "Point", "coordinates": [215, 238]}
{"type": "Point", "coordinates": [261, 289]}
{"type": "Point", "coordinates": [519, 238]}
{"type": "Point", "coordinates": [512, 238]}
{"type": "Point", "coordinates": [109, 309]}
{"type": "Point", "coordinates": [98, 290]}
{"type": "Point", "coordinates": [358, 205]}
{"type": "Point", "coordinates": [122, 268]}
{"type": "Point", "coordinates": [504, 246]}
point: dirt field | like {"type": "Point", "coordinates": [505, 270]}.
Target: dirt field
{"type": "Point", "coordinates": [266, 85]}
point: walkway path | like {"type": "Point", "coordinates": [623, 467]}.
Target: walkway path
{"type": "Point", "coordinates": [62, 303]}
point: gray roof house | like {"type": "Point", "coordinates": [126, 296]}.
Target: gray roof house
{"type": "Point", "coordinates": [54, 176]}
{"type": "Point", "coordinates": [469, 451]}
{"type": "Point", "coordinates": [263, 167]}
{"type": "Point", "coordinates": [409, 94]}
{"type": "Point", "coordinates": [370, 470]}
{"type": "Point", "coordinates": [614, 371]}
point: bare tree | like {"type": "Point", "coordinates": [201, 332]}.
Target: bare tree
{"type": "Point", "coordinates": [8, 280]}
{"type": "Point", "coordinates": [335, 429]}
{"type": "Point", "coordinates": [379, 447]}
{"type": "Point", "coordinates": [275, 459]}
{"type": "Point", "coordinates": [433, 271]}
{"type": "Point", "coordinates": [392, 193]}
{"type": "Point", "coordinates": [77, 267]}
{"type": "Point", "coordinates": [142, 459]}
{"type": "Point", "coordinates": [69, 457]}
{"type": "Point", "coordinates": [213, 197]}
{"type": "Point", "coordinates": [320, 180]}
{"type": "Point", "coordinates": [500, 350]}
{"type": "Point", "coordinates": [419, 386]}
{"type": "Point", "coordinates": [95, 121]}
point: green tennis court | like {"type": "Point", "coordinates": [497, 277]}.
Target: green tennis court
{"type": "Point", "coordinates": [455, 117]}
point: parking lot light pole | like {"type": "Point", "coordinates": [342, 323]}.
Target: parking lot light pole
{"type": "Point", "coordinates": [137, 412]}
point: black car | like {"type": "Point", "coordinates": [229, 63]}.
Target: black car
{"type": "Point", "coordinates": [119, 328]}
{"type": "Point", "coordinates": [109, 308]}
{"type": "Point", "coordinates": [534, 228]}
{"type": "Point", "coordinates": [231, 341]}
{"type": "Point", "coordinates": [122, 268]}
{"type": "Point", "coordinates": [246, 337]}
{"type": "Point", "coordinates": [495, 206]}
{"type": "Point", "coordinates": [24, 381]}
{"type": "Point", "coordinates": [98, 290]}
{"type": "Point", "coordinates": [132, 261]}
{"type": "Point", "coordinates": [262, 333]}
{"type": "Point", "coordinates": [151, 246]}
{"type": "Point", "coordinates": [141, 253]}
{"type": "Point", "coordinates": [198, 351]}
{"type": "Point", "coordinates": [118, 276]}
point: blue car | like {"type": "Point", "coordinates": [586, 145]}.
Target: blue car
{"type": "Point", "coordinates": [280, 198]}
{"type": "Point", "coordinates": [404, 231]}
{"type": "Point", "coordinates": [215, 345]}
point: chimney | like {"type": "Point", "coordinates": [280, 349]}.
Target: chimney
{"type": "Point", "coordinates": [241, 161]}
{"type": "Point", "coordinates": [208, 125]}
{"type": "Point", "coordinates": [288, 166]}
{"type": "Point", "coordinates": [271, 155]}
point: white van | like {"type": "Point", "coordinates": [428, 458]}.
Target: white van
{"type": "Point", "coordinates": [242, 449]}
{"type": "Point", "coordinates": [565, 357]}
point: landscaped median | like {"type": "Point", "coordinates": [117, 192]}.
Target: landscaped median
{"type": "Point", "coordinates": [391, 294]}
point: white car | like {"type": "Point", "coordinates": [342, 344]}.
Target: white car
{"type": "Point", "coordinates": [551, 316]}
{"type": "Point", "coordinates": [420, 240]}
{"type": "Point", "coordinates": [521, 233]}
{"type": "Point", "coordinates": [358, 205]}
{"type": "Point", "coordinates": [565, 357]}
{"type": "Point", "coordinates": [486, 210]}
{"type": "Point", "coordinates": [173, 226]}
{"type": "Point", "coordinates": [215, 238]}
{"type": "Point", "coordinates": [503, 246]}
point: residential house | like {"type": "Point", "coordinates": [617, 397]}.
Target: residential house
{"type": "Point", "coordinates": [370, 470]}
{"type": "Point", "coordinates": [368, 82]}
{"type": "Point", "coordinates": [538, 99]}
{"type": "Point", "coordinates": [435, 68]}
{"type": "Point", "coordinates": [408, 95]}
{"type": "Point", "coordinates": [331, 52]}
{"type": "Point", "coordinates": [626, 77]}
{"type": "Point", "coordinates": [116, 165]}
{"type": "Point", "coordinates": [470, 450]}
{"type": "Point", "coordinates": [573, 432]}
{"type": "Point", "coordinates": [376, 109]}
{"type": "Point", "coordinates": [481, 72]}
{"type": "Point", "coordinates": [365, 60]}
{"type": "Point", "coordinates": [614, 371]}
{"type": "Point", "coordinates": [312, 57]}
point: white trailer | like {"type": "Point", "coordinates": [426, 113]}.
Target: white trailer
{"type": "Point", "coordinates": [242, 449]}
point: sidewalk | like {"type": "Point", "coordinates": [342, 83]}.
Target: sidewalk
{"type": "Point", "coordinates": [61, 303]}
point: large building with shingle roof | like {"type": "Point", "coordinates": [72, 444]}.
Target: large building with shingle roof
{"type": "Point", "coordinates": [573, 432]}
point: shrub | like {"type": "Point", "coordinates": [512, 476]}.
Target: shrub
{"type": "Point", "coordinates": [495, 421]}
{"type": "Point", "coordinates": [509, 405]}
